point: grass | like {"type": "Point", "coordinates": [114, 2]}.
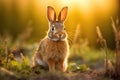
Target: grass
{"type": "Point", "coordinates": [82, 59]}
{"type": "Point", "coordinates": [90, 56]}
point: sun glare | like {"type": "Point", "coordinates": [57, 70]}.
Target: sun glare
{"type": "Point", "coordinates": [88, 5]}
{"type": "Point", "coordinates": [66, 2]}
{"type": "Point", "coordinates": [103, 5]}
{"type": "Point", "coordinates": [84, 5]}
{"type": "Point", "coordinates": [86, 8]}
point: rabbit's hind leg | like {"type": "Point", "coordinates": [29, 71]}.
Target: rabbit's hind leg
{"type": "Point", "coordinates": [36, 60]}
{"type": "Point", "coordinates": [40, 63]}
{"type": "Point", "coordinates": [34, 63]}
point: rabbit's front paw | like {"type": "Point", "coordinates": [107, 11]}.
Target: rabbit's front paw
{"type": "Point", "coordinates": [51, 65]}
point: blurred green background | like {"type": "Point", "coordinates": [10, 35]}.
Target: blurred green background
{"type": "Point", "coordinates": [17, 15]}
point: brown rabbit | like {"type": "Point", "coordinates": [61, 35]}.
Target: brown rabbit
{"type": "Point", "coordinates": [53, 50]}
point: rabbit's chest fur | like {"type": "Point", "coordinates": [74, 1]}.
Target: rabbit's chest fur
{"type": "Point", "coordinates": [54, 50]}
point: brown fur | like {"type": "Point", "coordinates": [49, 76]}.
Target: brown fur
{"type": "Point", "coordinates": [53, 53]}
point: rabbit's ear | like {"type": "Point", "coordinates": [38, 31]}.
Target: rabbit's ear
{"type": "Point", "coordinates": [63, 14]}
{"type": "Point", "coordinates": [51, 14]}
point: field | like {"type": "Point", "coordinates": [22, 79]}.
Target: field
{"type": "Point", "coordinates": [92, 30]}
{"type": "Point", "coordinates": [84, 63]}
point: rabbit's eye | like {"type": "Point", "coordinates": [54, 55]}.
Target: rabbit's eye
{"type": "Point", "coordinates": [64, 28]}
{"type": "Point", "coordinates": [53, 28]}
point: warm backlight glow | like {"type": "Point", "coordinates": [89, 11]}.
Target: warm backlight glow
{"type": "Point", "coordinates": [88, 13]}
{"type": "Point", "coordinates": [85, 7]}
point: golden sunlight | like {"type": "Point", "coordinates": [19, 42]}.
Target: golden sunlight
{"type": "Point", "coordinates": [84, 12]}
{"type": "Point", "coordinates": [88, 6]}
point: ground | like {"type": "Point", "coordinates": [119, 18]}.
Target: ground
{"type": "Point", "coordinates": [85, 63]}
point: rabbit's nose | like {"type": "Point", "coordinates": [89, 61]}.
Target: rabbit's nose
{"type": "Point", "coordinates": [60, 36]}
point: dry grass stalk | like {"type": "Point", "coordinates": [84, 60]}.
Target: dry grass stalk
{"type": "Point", "coordinates": [6, 52]}
{"type": "Point", "coordinates": [77, 33]}
{"type": "Point", "coordinates": [104, 44]}
{"type": "Point", "coordinates": [99, 33]}
{"type": "Point", "coordinates": [110, 68]}
{"type": "Point", "coordinates": [6, 71]}
{"type": "Point", "coordinates": [117, 40]}
{"type": "Point", "coordinates": [22, 56]}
